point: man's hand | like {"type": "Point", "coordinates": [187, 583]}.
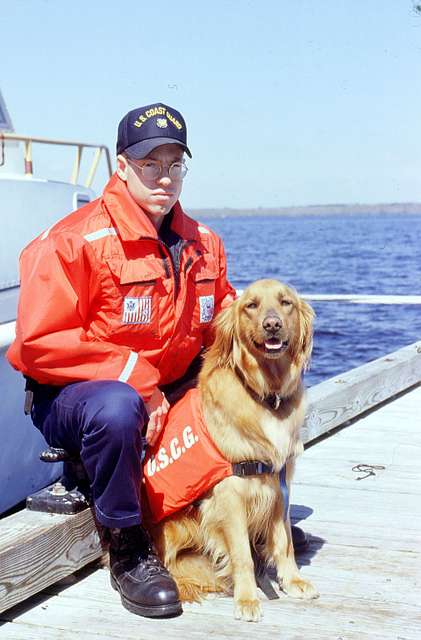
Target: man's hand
{"type": "Point", "coordinates": [157, 409]}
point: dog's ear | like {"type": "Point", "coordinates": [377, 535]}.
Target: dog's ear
{"type": "Point", "coordinates": [223, 345]}
{"type": "Point", "coordinates": [305, 334]}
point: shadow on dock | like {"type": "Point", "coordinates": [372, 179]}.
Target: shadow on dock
{"type": "Point", "coordinates": [299, 514]}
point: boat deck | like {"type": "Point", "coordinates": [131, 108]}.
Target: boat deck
{"type": "Point", "coordinates": [364, 557]}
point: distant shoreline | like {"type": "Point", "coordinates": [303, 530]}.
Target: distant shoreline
{"type": "Point", "coordinates": [394, 208]}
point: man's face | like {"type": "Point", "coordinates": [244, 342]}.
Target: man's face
{"type": "Point", "coordinates": [156, 196]}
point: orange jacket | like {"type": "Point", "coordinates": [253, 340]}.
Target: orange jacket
{"type": "Point", "coordinates": [98, 299]}
{"type": "Point", "coordinates": [184, 463]}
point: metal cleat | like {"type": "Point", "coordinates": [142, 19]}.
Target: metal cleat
{"type": "Point", "coordinates": [70, 494]}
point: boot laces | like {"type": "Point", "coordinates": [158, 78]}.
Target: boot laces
{"type": "Point", "coordinates": [136, 543]}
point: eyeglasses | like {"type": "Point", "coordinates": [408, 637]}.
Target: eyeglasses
{"type": "Point", "coordinates": [152, 169]}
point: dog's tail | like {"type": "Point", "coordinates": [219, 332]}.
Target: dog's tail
{"type": "Point", "coordinates": [196, 577]}
{"type": "Point", "coordinates": [181, 548]}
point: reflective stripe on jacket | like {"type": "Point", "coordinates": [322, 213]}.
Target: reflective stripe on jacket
{"type": "Point", "coordinates": [98, 296]}
{"type": "Point", "coordinates": [184, 463]}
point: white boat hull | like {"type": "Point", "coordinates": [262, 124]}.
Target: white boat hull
{"type": "Point", "coordinates": [21, 471]}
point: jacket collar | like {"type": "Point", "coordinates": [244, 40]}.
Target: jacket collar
{"type": "Point", "coordinates": [132, 222]}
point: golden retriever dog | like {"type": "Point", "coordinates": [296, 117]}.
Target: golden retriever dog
{"type": "Point", "coordinates": [254, 405]}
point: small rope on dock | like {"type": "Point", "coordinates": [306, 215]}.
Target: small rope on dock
{"type": "Point", "coordinates": [367, 469]}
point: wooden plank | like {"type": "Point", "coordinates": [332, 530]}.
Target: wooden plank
{"type": "Point", "coordinates": [96, 612]}
{"type": "Point", "coordinates": [320, 500]}
{"type": "Point", "coordinates": [35, 632]}
{"type": "Point", "coordinates": [393, 576]}
{"type": "Point", "coordinates": [342, 398]}
{"type": "Point", "coordinates": [325, 530]}
{"type": "Point", "coordinates": [339, 475]}
{"type": "Point", "coordinates": [29, 632]}
{"type": "Point", "coordinates": [37, 549]}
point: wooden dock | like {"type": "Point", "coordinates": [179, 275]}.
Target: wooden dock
{"type": "Point", "coordinates": [357, 493]}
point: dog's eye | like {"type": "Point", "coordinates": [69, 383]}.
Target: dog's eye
{"type": "Point", "coordinates": [286, 303]}
{"type": "Point", "coordinates": [251, 305]}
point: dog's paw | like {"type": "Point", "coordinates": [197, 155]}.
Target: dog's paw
{"type": "Point", "coordinates": [249, 610]}
{"type": "Point", "coordinates": [299, 588]}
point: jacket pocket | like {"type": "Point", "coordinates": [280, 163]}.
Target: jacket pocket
{"type": "Point", "coordinates": [141, 295]}
{"type": "Point", "coordinates": [143, 271]}
{"type": "Point", "coordinates": [206, 269]}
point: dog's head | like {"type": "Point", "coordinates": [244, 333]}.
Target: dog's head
{"type": "Point", "coordinates": [269, 322]}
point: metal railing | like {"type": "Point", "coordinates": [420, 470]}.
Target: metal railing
{"type": "Point", "coordinates": [28, 141]}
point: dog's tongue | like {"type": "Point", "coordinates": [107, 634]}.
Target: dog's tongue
{"type": "Point", "coordinates": [273, 346]}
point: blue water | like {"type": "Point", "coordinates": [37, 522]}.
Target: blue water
{"type": "Point", "coordinates": [335, 254]}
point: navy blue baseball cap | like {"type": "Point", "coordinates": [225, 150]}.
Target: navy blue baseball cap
{"type": "Point", "coordinates": [143, 129]}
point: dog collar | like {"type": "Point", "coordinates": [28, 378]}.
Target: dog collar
{"type": "Point", "coordinates": [274, 400]}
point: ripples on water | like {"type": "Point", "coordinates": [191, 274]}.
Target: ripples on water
{"type": "Point", "coordinates": [335, 254]}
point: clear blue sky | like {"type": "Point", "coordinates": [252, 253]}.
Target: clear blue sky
{"type": "Point", "coordinates": [289, 102]}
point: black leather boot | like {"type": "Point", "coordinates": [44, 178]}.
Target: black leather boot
{"type": "Point", "coordinates": [144, 584]}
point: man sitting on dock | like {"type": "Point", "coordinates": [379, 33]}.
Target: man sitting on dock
{"type": "Point", "coordinates": [116, 304]}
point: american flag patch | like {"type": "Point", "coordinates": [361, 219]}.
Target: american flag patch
{"type": "Point", "coordinates": [206, 308]}
{"type": "Point", "coordinates": [137, 310]}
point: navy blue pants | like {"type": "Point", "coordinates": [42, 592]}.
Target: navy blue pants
{"type": "Point", "coordinates": [103, 422]}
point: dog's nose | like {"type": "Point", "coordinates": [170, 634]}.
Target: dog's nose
{"type": "Point", "coordinates": [272, 324]}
